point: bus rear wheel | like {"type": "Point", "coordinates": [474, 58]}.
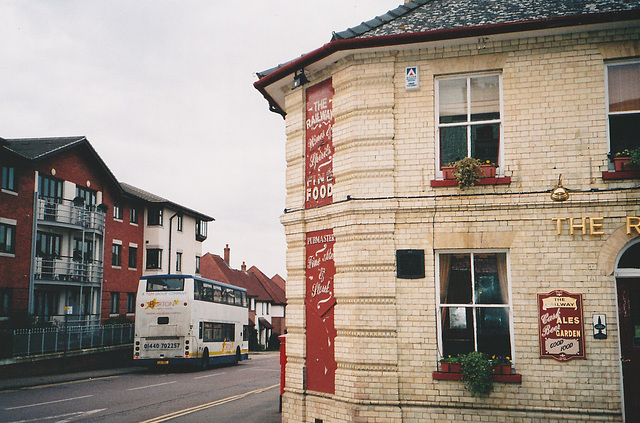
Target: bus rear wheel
{"type": "Point", "coordinates": [204, 360]}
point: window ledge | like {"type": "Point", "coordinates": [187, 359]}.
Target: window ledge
{"type": "Point", "coordinates": [505, 180]}
{"type": "Point", "coordinates": [512, 378]}
{"type": "Point", "coordinates": [625, 174]}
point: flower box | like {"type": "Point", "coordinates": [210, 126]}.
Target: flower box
{"type": "Point", "coordinates": [488, 170]}
{"type": "Point", "coordinates": [502, 369]}
{"type": "Point", "coordinates": [447, 172]}
{"type": "Point", "coordinates": [447, 367]}
{"type": "Point", "coordinates": [621, 164]}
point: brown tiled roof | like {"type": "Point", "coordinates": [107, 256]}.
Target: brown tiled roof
{"type": "Point", "coordinates": [279, 280]}
{"type": "Point", "coordinates": [214, 267]}
{"type": "Point", "coordinates": [271, 287]}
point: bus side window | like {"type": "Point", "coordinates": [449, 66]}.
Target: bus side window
{"type": "Point", "coordinates": [200, 331]}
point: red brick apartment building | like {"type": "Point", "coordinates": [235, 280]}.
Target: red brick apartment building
{"type": "Point", "coordinates": [72, 238]}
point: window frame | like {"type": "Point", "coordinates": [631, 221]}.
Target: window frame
{"type": "Point", "coordinates": [473, 305]}
{"type": "Point", "coordinates": [607, 66]}
{"type": "Point", "coordinates": [114, 303]}
{"type": "Point", "coordinates": [9, 180]}
{"type": "Point", "coordinates": [179, 261]}
{"type": "Point", "coordinates": [133, 216]}
{"type": "Point", "coordinates": [469, 123]}
{"type": "Point", "coordinates": [7, 232]}
{"type": "Point", "coordinates": [133, 257]}
{"type": "Point", "coordinates": [158, 265]}
{"type": "Point", "coordinates": [53, 187]}
{"type": "Point", "coordinates": [117, 212]}
{"type": "Point", "coordinates": [116, 254]}
{"type": "Point", "coordinates": [131, 302]}
{"type": "Point", "coordinates": [157, 213]}
{"type": "Point", "coordinates": [201, 230]}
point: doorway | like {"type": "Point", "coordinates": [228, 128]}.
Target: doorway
{"type": "Point", "coordinates": [628, 285]}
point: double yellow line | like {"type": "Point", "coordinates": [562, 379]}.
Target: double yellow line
{"type": "Point", "coordinates": [201, 407]}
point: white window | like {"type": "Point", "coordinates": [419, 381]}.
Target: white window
{"type": "Point", "coordinates": [117, 212]}
{"type": "Point", "coordinates": [178, 262]}
{"type": "Point", "coordinates": [113, 306]}
{"type": "Point", "coordinates": [623, 91]}
{"type": "Point", "coordinates": [474, 306]}
{"type": "Point", "coordinates": [469, 118]}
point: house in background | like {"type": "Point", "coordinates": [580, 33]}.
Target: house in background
{"type": "Point", "coordinates": [74, 242]}
{"type": "Point", "coordinates": [267, 300]}
{"type": "Point", "coordinates": [173, 234]}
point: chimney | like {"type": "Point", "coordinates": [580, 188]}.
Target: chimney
{"type": "Point", "coordinates": [244, 267]}
{"type": "Point", "coordinates": [227, 253]}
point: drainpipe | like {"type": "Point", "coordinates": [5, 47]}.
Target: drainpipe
{"type": "Point", "coordinates": [170, 232]}
{"type": "Point", "coordinates": [34, 230]}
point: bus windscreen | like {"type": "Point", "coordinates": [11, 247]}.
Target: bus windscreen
{"type": "Point", "coordinates": [165, 284]}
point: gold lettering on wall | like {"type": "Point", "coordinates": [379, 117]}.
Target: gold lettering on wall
{"type": "Point", "coordinates": [633, 222]}
{"type": "Point", "coordinates": [593, 225]}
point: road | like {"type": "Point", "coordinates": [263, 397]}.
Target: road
{"type": "Point", "coordinates": [246, 393]}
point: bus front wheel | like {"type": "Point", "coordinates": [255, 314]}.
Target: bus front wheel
{"type": "Point", "coordinates": [204, 361]}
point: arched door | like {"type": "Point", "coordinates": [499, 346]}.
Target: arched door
{"type": "Point", "coordinates": [628, 283]}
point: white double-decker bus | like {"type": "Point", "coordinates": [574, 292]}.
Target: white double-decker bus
{"type": "Point", "coordinates": [189, 320]}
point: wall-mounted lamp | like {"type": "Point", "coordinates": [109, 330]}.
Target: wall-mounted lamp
{"type": "Point", "coordinates": [299, 79]}
{"type": "Point", "coordinates": [559, 193]}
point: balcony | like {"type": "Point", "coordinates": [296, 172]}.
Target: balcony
{"type": "Point", "coordinates": [67, 271]}
{"type": "Point", "coordinates": [70, 214]}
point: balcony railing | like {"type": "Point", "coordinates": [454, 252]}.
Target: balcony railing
{"type": "Point", "coordinates": [67, 212]}
{"type": "Point", "coordinates": [66, 269]}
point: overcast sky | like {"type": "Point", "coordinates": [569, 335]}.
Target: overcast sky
{"type": "Point", "coordinates": [163, 90]}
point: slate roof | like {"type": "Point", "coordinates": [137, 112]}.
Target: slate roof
{"type": "Point", "coordinates": [434, 15]}
{"type": "Point", "coordinates": [39, 148]}
{"type": "Point", "coordinates": [425, 21]}
{"type": "Point", "coordinates": [36, 149]}
{"type": "Point", "coordinates": [156, 199]}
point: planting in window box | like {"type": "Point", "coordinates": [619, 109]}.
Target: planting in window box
{"type": "Point", "coordinates": [626, 160]}
{"type": "Point", "coordinates": [467, 172]}
{"type": "Point", "coordinates": [448, 172]}
{"type": "Point", "coordinates": [501, 365]}
{"type": "Point", "coordinates": [450, 365]}
{"type": "Point", "coordinates": [488, 169]}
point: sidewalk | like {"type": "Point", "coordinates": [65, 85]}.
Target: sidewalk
{"type": "Point", "coordinates": [34, 381]}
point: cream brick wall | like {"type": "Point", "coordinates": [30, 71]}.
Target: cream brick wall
{"type": "Point", "coordinates": [384, 138]}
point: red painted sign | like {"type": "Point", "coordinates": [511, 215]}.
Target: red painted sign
{"type": "Point", "coordinates": [319, 145]}
{"type": "Point", "coordinates": [319, 302]}
{"type": "Point", "coordinates": [561, 326]}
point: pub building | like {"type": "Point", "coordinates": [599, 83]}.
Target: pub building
{"type": "Point", "coordinates": [399, 264]}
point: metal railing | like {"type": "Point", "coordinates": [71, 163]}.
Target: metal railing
{"type": "Point", "coordinates": [67, 269]}
{"type": "Point", "coordinates": [54, 340]}
{"type": "Point", "coordinates": [65, 211]}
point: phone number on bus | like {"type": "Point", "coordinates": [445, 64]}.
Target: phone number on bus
{"type": "Point", "coordinates": [162, 345]}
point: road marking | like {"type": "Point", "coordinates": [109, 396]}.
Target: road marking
{"type": "Point", "coordinates": [60, 383]}
{"type": "Point", "coordinates": [151, 386]}
{"type": "Point", "coordinates": [67, 417]}
{"type": "Point", "coordinates": [197, 408]}
{"type": "Point", "coordinates": [214, 374]}
{"type": "Point", "coordinates": [47, 403]}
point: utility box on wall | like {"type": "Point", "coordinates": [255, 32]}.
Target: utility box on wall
{"type": "Point", "coordinates": [410, 264]}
